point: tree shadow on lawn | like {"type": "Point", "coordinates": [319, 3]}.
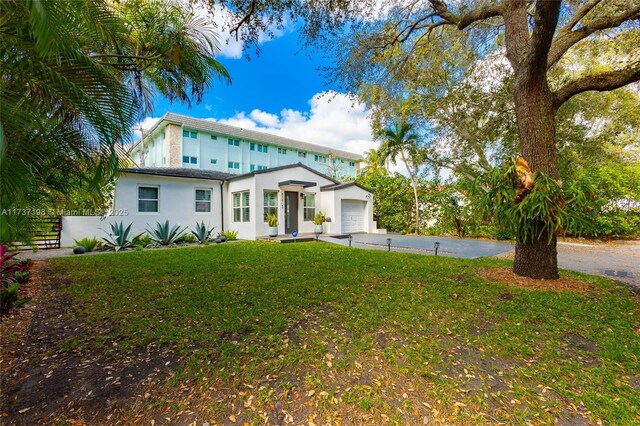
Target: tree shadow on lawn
{"type": "Point", "coordinates": [327, 375]}
{"type": "Point", "coordinates": [77, 384]}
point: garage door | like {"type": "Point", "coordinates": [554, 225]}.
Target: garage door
{"type": "Point", "coordinates": [353, 213]}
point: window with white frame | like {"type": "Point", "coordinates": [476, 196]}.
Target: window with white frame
{"type": "Point", "coordinates": [282, 151]}
{"type": "Point", "coordinates": [203, 200]}
{"type": "Point", "coordinates": [302, 154]}
{"type": "Point", "coordinates": [189, 160]}
{"type": "Point", "coordinates": [148, 199]}
{"type": "Point", "coordinates": [241, 206]}
{"type": "Point", "coordinates": [309, 204]}
{"type": "Point", "coordinates": [270, 203]}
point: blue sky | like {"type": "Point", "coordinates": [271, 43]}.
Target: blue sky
{"type": "Point", "coordinates": [282, 76]}
{"type": "Point", "coordinates": [282, 91]}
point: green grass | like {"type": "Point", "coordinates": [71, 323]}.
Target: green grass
{"type": "Point", "coordinates": [363, 334]}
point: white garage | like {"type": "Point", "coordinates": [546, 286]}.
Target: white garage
{"type": "Point", "coordinates": [353, 216]}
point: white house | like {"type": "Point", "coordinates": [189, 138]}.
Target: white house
{"type": "Point", "coordinates": [295, 192]}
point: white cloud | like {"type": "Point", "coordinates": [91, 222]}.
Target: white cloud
{"type": "Point", "coordinates": [334, 120]}
{"type": "Point", "coordinates": [264, 118]}
{"type": "Point", "coordinates": [146, 124]}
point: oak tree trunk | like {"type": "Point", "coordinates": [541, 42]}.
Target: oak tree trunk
{"type": "Point", "coordinates": [535, 115]}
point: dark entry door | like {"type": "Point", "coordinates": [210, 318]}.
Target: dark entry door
{"type": "Point", "coordinates": [290, 212]}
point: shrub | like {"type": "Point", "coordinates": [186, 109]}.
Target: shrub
{"type": "Point", "coordinates": [14, 275]}
{"type": "Point", "coordinates": [89, 244]}
{"type": "Point", "coordinates": [142, 240]}
{"type": "Point", "coordinates": [318, 219]}
{"type": "Point", "coordinates": [186, 239]}
{"type": "Point", "coordinates": [201, 233]}
{"type": "Point", "coordinates": [119, 237]}
{"type": "Point", "coordinates": [272, 220]}
{"type": "Point", "coordinates": [229, 235]}
{"type": "Point", "coordinates": [164, 234]}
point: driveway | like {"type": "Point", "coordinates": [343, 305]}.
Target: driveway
{"type": "Point", "coordinates": [619, 260]}
{"type": "Point", "coordinates": [452, 247]}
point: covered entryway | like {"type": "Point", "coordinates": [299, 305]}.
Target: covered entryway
{"type": "Point", "coordinates": [353, 216]}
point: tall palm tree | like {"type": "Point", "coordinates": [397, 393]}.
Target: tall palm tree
{"type": "Point", "coordinates": [401, 141]}
{"type": "Point", "coordinates": [75, 76]}
{"type": "Point", "coordinates": [374, 163]}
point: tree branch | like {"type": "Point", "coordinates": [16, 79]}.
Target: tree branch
{"type": "Point", "coordinates": [245, 18]}
{"type": "Point", "coordinates": [545, 21]}
{"type": "Point", "coordinates": [566, 38]}
{"type": "Point", "coordinates": [579, 14]}
{"type": "Point", "coordinates": [600, 82]}
{"type": "Point", "coordinates": [463, 21]}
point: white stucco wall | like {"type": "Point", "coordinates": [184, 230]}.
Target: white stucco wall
{"type": "Point", "coordinates": [176, 204]}
{"type": "Point", "coordinates": [333, 199]}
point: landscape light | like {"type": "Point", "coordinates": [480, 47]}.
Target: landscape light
{"type": "Point", "coordinates": [436, 246]}
{"type": "Point", "coordinates": [388, 244]}
{"type": "Point", "coordinates": [350, 239]}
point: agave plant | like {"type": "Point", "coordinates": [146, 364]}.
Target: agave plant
{"type": "Point", "coordinates": [202, 233]}
{"type": "Point", "coordinates": [164, 234]}
{"type": "Point", "coordinates": [119, 238]}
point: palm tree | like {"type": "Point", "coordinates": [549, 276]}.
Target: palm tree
{"type": "Point", "coordinates": [76, 75]}
{"type": "Point", "coordinates": [401, 141]}
{"type": "Point", "coordinates": [374, 164]}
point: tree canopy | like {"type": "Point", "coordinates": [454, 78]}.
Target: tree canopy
{"type": "Point", "coordinates": [76, 75]}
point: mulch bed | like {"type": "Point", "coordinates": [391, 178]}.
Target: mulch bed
{"type": "Point", "coordinates": [506, 276]}
{"type": "Point", "coordinates": [16, 325]}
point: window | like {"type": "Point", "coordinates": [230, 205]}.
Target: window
{"type": "Point", "coordinates": [309, 207]}
{"type": "Point", "coordinates": [270, 203]}
{"type": "Point", "coordinates": [233, 142]}
{"type": "Point", "coordinates": [263, 148]}
{"type": "Point", "coordinates": [203, 200]}
{"type": "Point", "coordinates": [189, 160]}
{"type": "Point", "coordinates": [321, 159]}
{"type": "Point", "coordinates": [188, 134]}
{"type": "Point", "coordinates": [253, 167]}
{"type": "Point", "coordinates": [252, 146]}
{"type": "Point", "coordinates": [282, 151]}
{"type": "Point", "coordinates": [241, 206]}
{"type": "Point", "coordinates": [194, 135]}
{"type": "Point", "coordinates": [234, 165]}
{"type": "Point", "coordinates": [214, 161]}
{"type": "Point", "coordinates": [214, 138]}
{"type": "Point", "coordinates": [148, 199]}
{"type": "Point", "coordinates": [352, 163]}
{"type": "Point", "coordinates": [185, 133]}
{"type": "Point", "coordinates": [302, 154]}
{"type": "Point", "coordinates": [262, 167]}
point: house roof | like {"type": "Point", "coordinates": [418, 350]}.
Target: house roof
{"type": "Point", "coordinates": [287, 166]}
{"type": "Point", "coordinates": [246, 134]}
{"type": "Point", "coordinates": [179, 172]}
{"type": "Point", "coordinates": [340, 186]}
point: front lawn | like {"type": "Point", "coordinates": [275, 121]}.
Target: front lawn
{"type": "Point", "coordinates": [316, 333]}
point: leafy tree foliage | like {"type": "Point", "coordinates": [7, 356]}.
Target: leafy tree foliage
{"type": "Point", "coordinates": [75, 76]}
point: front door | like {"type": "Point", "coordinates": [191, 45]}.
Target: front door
{"type": "Point", "coordinates": [290, 212]}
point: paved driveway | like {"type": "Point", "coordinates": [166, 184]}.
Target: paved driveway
{"type": "Point", "coordinates": [617, 260]}
{"type": "Point", "coordinates": [453, 247]}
